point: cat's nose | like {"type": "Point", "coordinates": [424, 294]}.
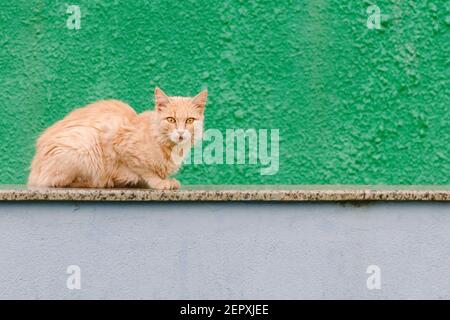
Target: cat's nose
{"type": "Point", "coordinates": [180, 135]}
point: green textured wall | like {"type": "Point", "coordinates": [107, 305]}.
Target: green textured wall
{"type": "Point", "coordinates": [353, 105]}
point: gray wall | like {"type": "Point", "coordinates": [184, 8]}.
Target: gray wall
{"type": "Point", "coordinates": [224, 250]}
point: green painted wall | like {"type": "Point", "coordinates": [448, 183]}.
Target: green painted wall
{"type": "Point", "coordinates": [353, 105]}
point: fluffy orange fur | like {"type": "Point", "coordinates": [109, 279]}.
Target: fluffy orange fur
{"type": "Point", "coordinates": [107, 144]}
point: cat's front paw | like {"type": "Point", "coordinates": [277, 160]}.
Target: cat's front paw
{"type": "Point", "coordinates": [175, 184]}
{"type": "Point", "coordinates": [169, 184]}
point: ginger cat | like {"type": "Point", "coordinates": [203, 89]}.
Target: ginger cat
{"type": "Point", "coordinates": [107, 144]}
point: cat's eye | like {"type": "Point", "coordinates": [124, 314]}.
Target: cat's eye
{"type": "Point", "coordinates": [190, 120]}
{"type": "Point", "coordinates": [171, 119]}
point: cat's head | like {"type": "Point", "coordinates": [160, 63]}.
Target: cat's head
{"type": "Point", "coordinates": [180, 118]}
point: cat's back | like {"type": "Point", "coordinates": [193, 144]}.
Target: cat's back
{"type": "Point", "coordinates": [102, 117]}
{"type": "Point", "coordinates": [101, 110]}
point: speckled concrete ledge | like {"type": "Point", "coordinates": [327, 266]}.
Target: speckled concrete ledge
{"type": "Point", "coordinates": [234, 193]}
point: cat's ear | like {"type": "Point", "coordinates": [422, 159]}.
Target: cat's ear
{"type": "Point", "coordinates": [161, 99]}
{"type": "Point", "coordinates": [199, 101]}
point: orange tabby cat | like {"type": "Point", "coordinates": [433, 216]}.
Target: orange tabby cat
{"type": "Point", "coordinates": [107, 144]}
